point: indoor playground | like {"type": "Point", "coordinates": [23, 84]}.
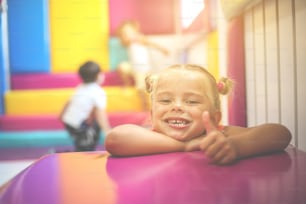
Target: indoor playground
{"type": "Point", "coordinates": [260, 44]}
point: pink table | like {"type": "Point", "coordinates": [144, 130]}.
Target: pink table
{"type": "Point", "coordinates": [186, 178]}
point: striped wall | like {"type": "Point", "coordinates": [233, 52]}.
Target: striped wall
{"type": "Point", "coordinates": [275, 47]}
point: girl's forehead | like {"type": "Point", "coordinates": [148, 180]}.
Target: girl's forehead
{"type": "Point", "coordinates": [182, 81]}
{"type": "Point", "coordinates": [181, 76]}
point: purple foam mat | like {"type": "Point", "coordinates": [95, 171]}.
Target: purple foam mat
{"type": "Point", "coordinates": [177, 177]}
{"type": "Point", "coordinates": [52, 80]}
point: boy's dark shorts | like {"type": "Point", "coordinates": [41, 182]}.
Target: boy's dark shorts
{"type": "Point", "coordinates": [86, 137]}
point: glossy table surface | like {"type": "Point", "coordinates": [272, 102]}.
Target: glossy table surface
{"type": "Point", "coordinates": [96, 177]}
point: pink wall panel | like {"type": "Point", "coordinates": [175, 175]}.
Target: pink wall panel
{"type": "Point", "coordinates": [155, 17]}
{"type": "Point", "coordinates": [236, 71]}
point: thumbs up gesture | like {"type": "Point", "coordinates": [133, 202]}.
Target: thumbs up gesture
{"type": "Point", "coordinates": [219, 148]}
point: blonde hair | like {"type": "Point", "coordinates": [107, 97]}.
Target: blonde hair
{"type": "Point", "coordinates": [223, 86]}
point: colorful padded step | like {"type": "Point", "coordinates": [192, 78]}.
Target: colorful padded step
{"type": "Point", "coordinates": [52, 122]}
{"type": "Point", "coordinates": [51, 101]}
{"type": "Point", "coordinates": [51, 81]}
{"type": "Point", "coordinates": [34, 139]}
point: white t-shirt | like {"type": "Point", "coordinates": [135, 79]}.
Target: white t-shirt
{"type": "Point", "coordinates": [85, 98]}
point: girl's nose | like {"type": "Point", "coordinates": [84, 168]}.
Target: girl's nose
{"type": "Point", "coordinates": [177, 105]}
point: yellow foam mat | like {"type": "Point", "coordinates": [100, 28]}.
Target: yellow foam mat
{"type": "Point", "coordinates": [51, 101]}
{"type": "Point", "coordinates": [79, 32]}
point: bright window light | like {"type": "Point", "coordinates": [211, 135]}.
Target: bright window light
{"type": "Point", "coordinates": [190, 9]}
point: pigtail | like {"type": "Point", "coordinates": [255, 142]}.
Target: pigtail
{"type": "Point", "coordinates": [225, 85]}
{"type": "Point", "coordinates": [150, 82]}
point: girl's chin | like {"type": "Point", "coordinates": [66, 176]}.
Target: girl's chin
{"type": "Point", "coordinates": [182, 137]}
{"type": "Point", "coordinates": [174, 135]}
{"type": "Point", "coordinates": [178, 136]}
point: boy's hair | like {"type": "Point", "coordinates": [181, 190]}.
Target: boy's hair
{"type": "Point", "coordinates": [224, 86]}
{"type": "Point", "coordinates": [89, 71]}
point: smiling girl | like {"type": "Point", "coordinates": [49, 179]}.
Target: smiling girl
{"type": "Point", "coordinates": [186, 116]}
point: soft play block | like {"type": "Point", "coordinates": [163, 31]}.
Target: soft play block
{"type": "Point", "coordinates": [52, 122]}
{"type": "Point", "coordinates": [52, 101]}
{"type": "Point", "coordinates": [30, 122]}
{"type": "Point", "coordinates": [51, 81]}
{"type": "Point", "coordinates": [79, 31]}
{"type": "Point", "coordinates": [34, 139]}
{"type": "Point", "coordinates": [29, 42]}
{"type": "Point", "coordinates": [118, 53]}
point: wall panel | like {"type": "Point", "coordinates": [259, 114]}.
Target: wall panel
{"type": "Point", "coordinates": [279, 55]}
{"type": "Point", "coordinates": [28, 27]}
{"type": "Point", "coordinates": [287, 65]}
{"type": "Point", "coordinates": [79, 32]}
{"type": "Point", "coordinates": [300, 16]}
{"type": "Point", "coordinates": [155, 17]}
{"type": "Point", "coordinates": [259, 64]}
{"type": "Point", "coordinates": [236, 71]}
{"type": "Point", "coordinates": [272, 61]}
{"type": "Point", "coordinates": [250, 71]}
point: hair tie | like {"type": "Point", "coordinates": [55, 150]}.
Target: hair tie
{"type": "Point", "coordinates": [220, 86]}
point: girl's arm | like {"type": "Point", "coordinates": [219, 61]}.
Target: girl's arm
{"type": "Point", "coordinates": [220, 147]}
{"type": "Point", "coordinates": [132, 140]}
{"type": "Point", "coordinates": [238, 142]}
{"type": "Point", "coordinates": [259, 139]}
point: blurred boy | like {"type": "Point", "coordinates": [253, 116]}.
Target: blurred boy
{"type": "Point", "coordinates": [85, 115]}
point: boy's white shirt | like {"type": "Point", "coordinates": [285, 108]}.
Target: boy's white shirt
{"type": "Point", "coordinates": [85, 98]}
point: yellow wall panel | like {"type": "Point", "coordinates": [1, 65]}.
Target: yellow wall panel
{"type": "Point", "coordinates": [51, 101]}
{"type": "Point", "coordinates": [213, 50]}
{"type": "Point", "coordinates": [79, 32]}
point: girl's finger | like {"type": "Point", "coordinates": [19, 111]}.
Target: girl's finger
{"type": "Point", "coordinates": [208, 124]}
{"type": "Point", "coordinates": [228, 159]}
{"type": "Point", "coordinates": [207, 141]}
{"type": "Point", "coordinates": [220, 155]}
{"type": "Point", "coordinates": [214, 148]}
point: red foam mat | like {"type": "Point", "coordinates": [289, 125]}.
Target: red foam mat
{"type": "Point", "coordinates": [63, 80]}
{"type": "Point", "coordinates": [51, 122]}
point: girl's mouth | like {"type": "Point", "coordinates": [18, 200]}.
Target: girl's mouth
{"type": "Point", "coordinates": [177, 123]}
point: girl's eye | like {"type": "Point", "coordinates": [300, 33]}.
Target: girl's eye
{"type": "Point", "coordinates": [192, 102]}
{"type": "Point", "coordinates": [164, 101]}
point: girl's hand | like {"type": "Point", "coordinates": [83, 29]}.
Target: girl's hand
{"type": "Point", "coordinates": [217, 147]}
{"type": "Point", "coordinates": [193, 144]}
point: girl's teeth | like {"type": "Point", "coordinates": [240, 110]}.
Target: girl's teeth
{"type": "Point", "coordinates": [178, 123]}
